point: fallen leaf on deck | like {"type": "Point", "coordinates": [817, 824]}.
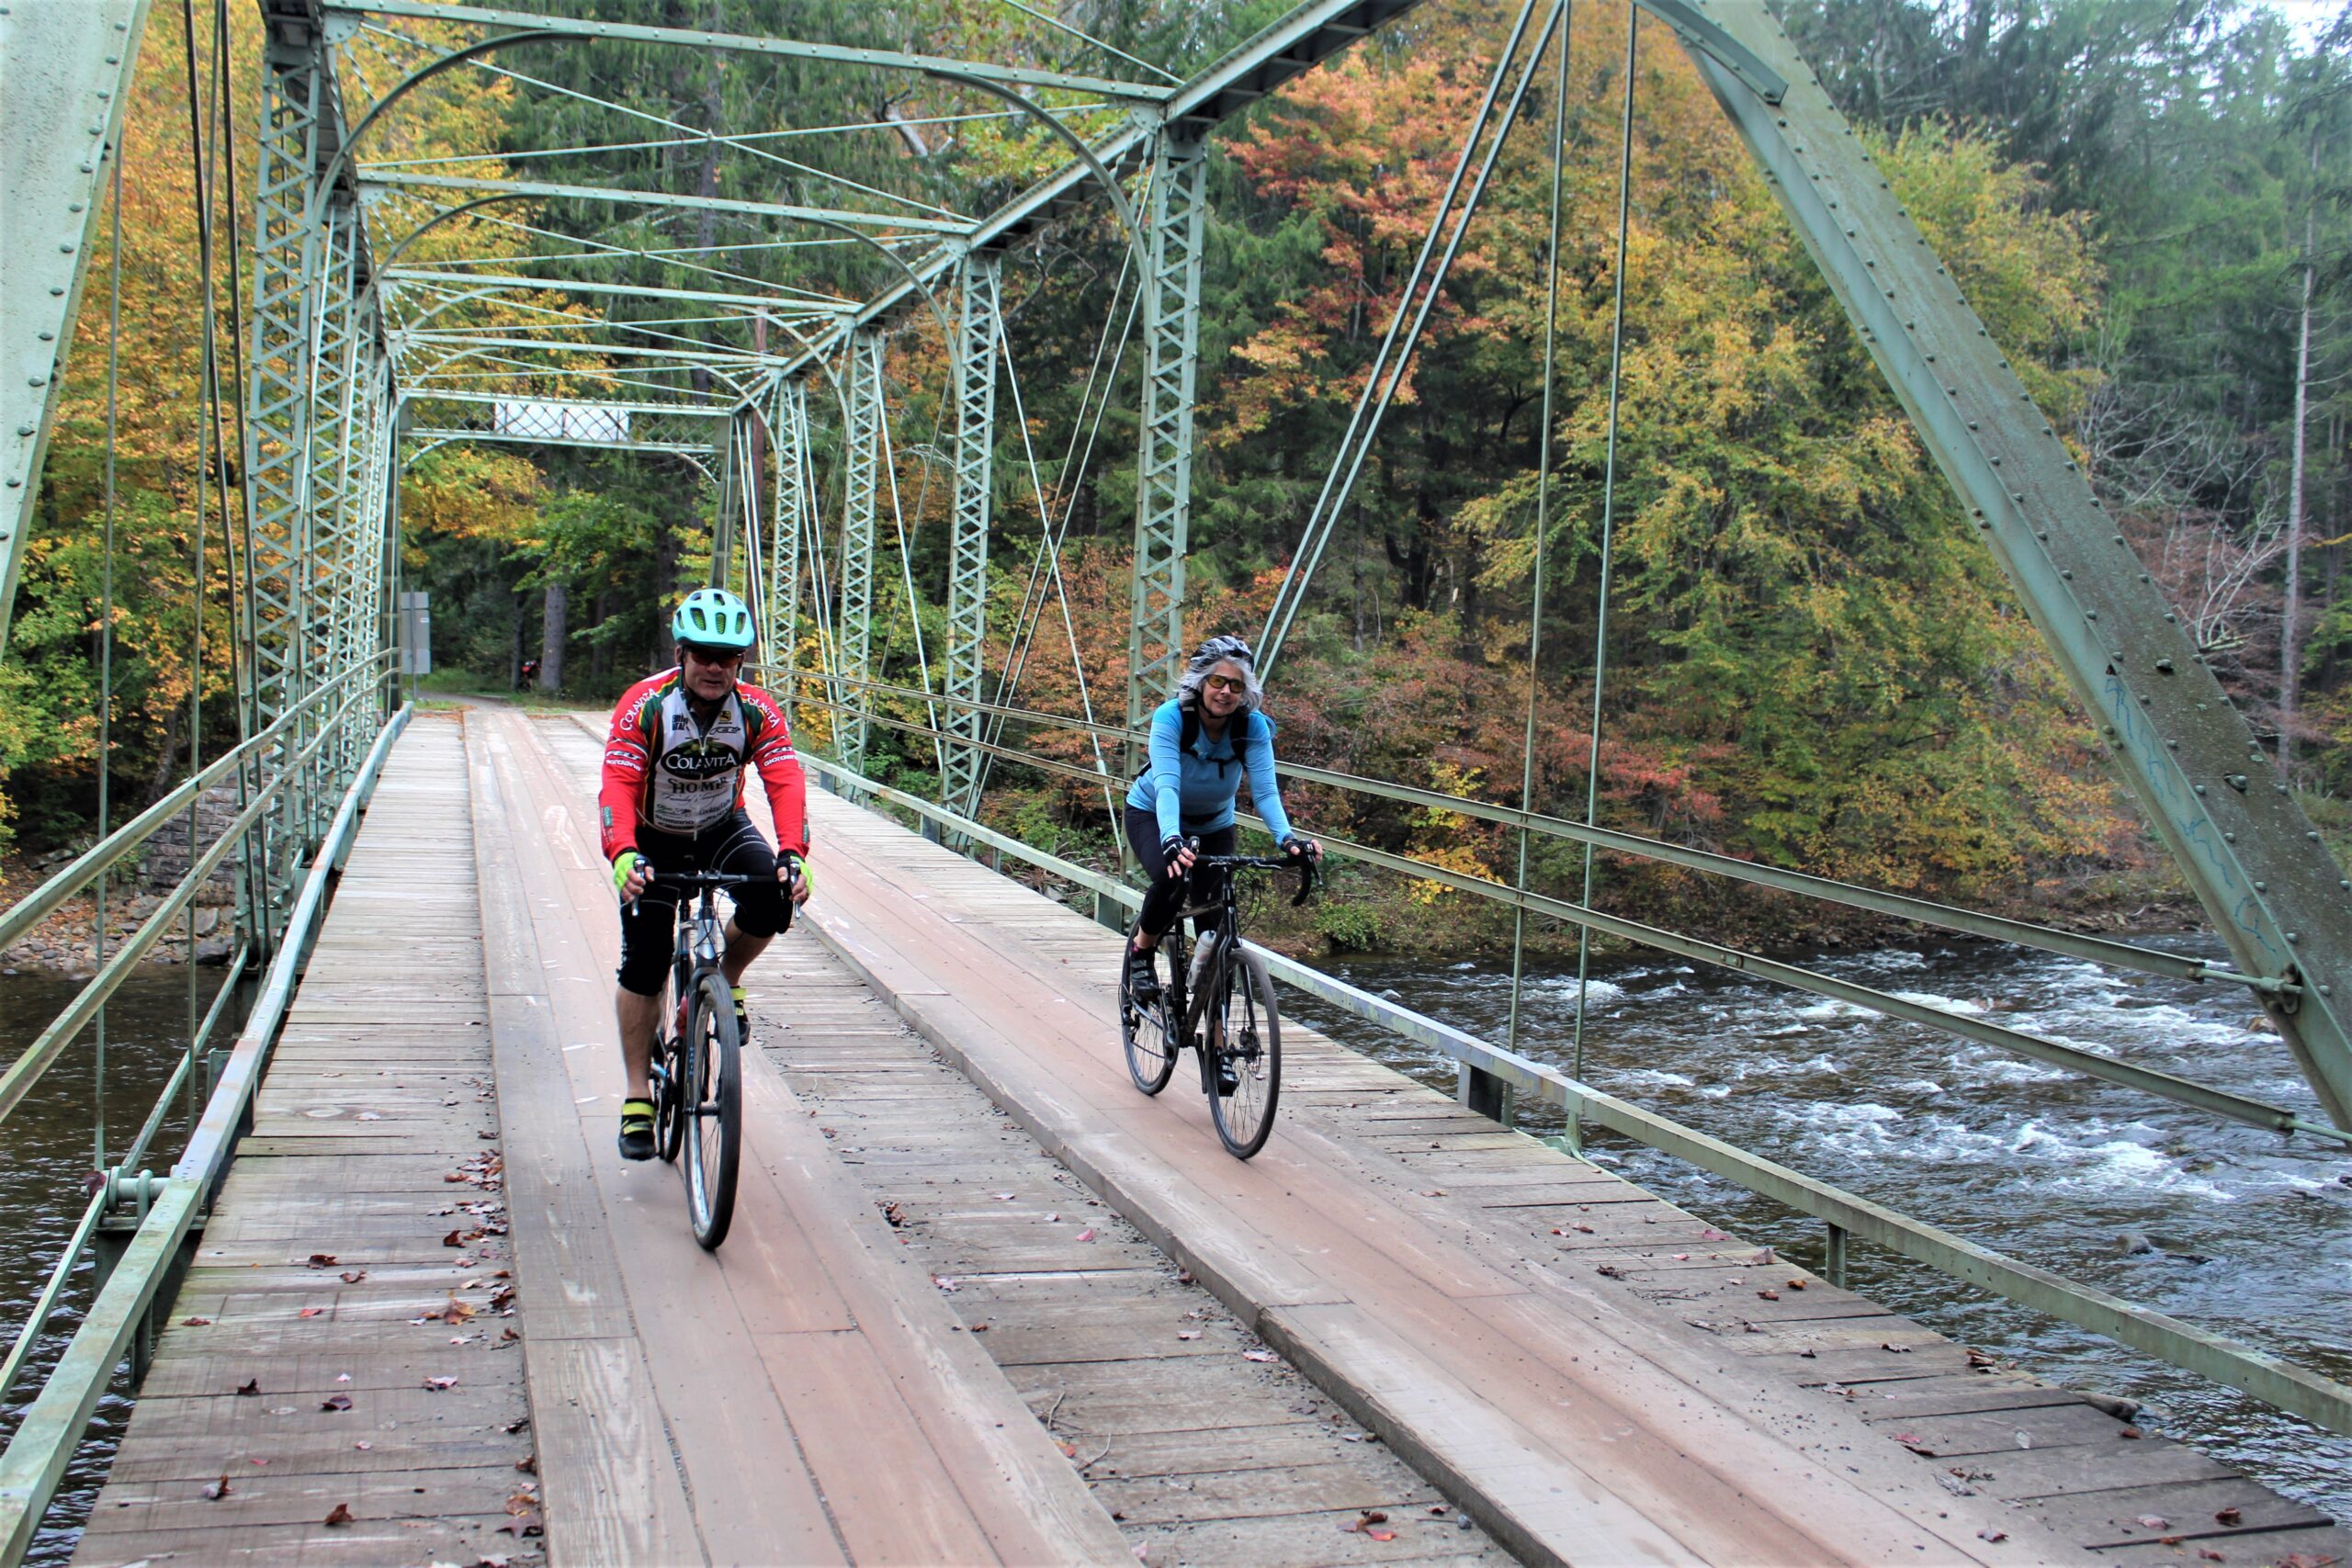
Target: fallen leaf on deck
{"type": "Point", "coordinates": [363, 1447]}
{"type": "Point", "coordinates": [1796, 1284]}
{"type": "Point", "coordinates": [1895, 1349]}
{"type": "Point", "coordinates": [1713, 1234]}
{"type": "Point", "coordinates": [1683, 1257]}
{"type": "Point", "coordinates": [1372, 1516]}
{"type": "Point", "coordinates": [2227, 1516]}
{"type": "Point", "coordinates": [1086, 1235]}
{"type": "Point", "coordinates": [1381, 1535]}
{"type": "Point", "coordinates": [196, 1321]}
{"type": "Point", "coordinates": [1188, 1334]}
{"type": "Point", "coordinates": [1992, 1535]}
{"type": "Point", "coordinates": [353, 1275]}
{"type": "Point", "coordinates": [1259, 1356]}
{"type": "Point", "coordinates": [454, 1238]}
{"type": "Point", "coordinates": [322, 1260]}
{"type": "Point", "coordinates": [310, 1312]}
{"type": "Point", "coordinates": [251, 1388]}
{"type": "Point", "coordinates": [2130, 1432]}
{"type": "Point", "coordinates": [528, 1464]}
{"type": "Point", "coordinates": [336, 1402]}
{"type": "Point", "coordinates": [2024, 1439]}
{"type": "Point", "coordinates": [216, 1490]}
{"type": "Point", "coordinates": [367, 1116]}
{"type": "Point", "coordinates": [1183, 1276]}
{"type": "Point", "coordinates": [2205, 1556]}
{"type": "Point", "coordinates": [1768, 1295]}
{"type": "Point", "coordinates": [1587, 1230]}
{"type": "Point", "coordinates": [341, 1515]}
{"type": "Point", "coordinates": [440, 1385]}
{"type": "Point", "coordinates": [2153, 1522]}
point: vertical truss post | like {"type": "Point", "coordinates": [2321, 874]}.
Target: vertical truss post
{"type": "Point", "coordinates": [967, 573]}
{"type": "Point", "coordinates": [69, 76]}
{"type": "Point", "coordinates": [290, 265]}
{"type": "Point", "coordinates": [739, 490]}
{"type": "Point", "coordinates": [862, 462]}
{"type": "Point", "coordinates": [782, 602]}
{"type": "Point", "coordinates": [1164, 466]}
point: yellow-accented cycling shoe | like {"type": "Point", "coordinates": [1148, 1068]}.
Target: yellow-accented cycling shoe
{"type": "Point", "coordinates": [637, 1129]}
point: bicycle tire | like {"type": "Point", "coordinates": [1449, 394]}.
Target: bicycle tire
{"type": "Point", "coordinates": [713, 1111]}
{"type": "Point", "coordinates": [1147, 1035]}
{"type": "Point", "coordinates": [1242, 1029]}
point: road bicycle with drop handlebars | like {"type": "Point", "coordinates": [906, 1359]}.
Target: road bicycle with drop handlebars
{"type": "Point", "coordinates": [1220, 1005]}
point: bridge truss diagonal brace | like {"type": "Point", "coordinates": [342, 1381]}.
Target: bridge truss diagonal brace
{"type": "Point", "coordinates": [2191, 759]}
{"type": "Point", "coordinates": [861, 462]}
{"type": "Point", "coordinates": [967, 573]}
{"type": "Point", "coordinates": [67, 74]}
{"type": "Point", "coordinates": [1164, 467]}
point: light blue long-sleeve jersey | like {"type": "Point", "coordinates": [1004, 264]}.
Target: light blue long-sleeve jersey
{"type": "Point", "coordinates": [1192, 791]}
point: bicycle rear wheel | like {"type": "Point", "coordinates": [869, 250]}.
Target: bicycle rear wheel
{"type": "Point", "coordinates": [712, 1091]}
{"type": "Point", "coordinates": [1243, 1037]}
{"type": "Point", "coordinates": [1148, 1032]}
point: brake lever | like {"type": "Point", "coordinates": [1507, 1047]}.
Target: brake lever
{"type": "Point", "coordinates": [1307, 872]}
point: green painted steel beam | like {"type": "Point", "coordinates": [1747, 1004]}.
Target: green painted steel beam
{"type": "Point", "coordinates": [780, 305]}
{"type": "Point", "coordinates": [1172, 343]}
{"type": "Point", "coordinates": [735, 359]}
{"type": "Point", "coordinates": [738, 43]}
{"type": "Point", "coordinates": [417, 398]}
{"type": "Point", "coordinates": [376, 186]}
{"type": "Point", "coordinates": [973, 376]}
{"type": "Point", "coordinates": [64, 74]}
{"type": "Point", "coordinates": [428, 435]}
{"type": "Point", "coordinates": [854, 629]}
{"type": "Point", "coordinates": [2255, 863]}
{"type": "Point", "coordinates": [781, 635]}
{"type": "Point", "coordinates": [53, 1426]}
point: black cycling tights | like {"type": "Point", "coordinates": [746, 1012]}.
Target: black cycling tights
{"type": "Point", "coordinates": [1166, 895]}
{"type": "Point", "coordinates": [733, 844]}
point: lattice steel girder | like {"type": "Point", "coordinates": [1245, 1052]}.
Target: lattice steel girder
{"type": "Point", "coordinates": [973, 374]}
{"type": "Point", "coordinates": [737, 43]}
{"type": "Point", "coordinates": [862, 462]}
{"type": "Point", "coordinates": [375, 184]}
{"type": "Point", "coordinates": [1171, 342]}
{"type": "Point", "coordinates": [471, 282]}
{"type": "Point", "coordinates": [781, 635]}
{"type": "Point", "coordinates": [2255, 861]}
{"type": "Point", "coordinates": [64, 72]}
{"type": "Point", "coordinates": [407, 340]}
{"type": "Point", "coordinates": [738, 491]}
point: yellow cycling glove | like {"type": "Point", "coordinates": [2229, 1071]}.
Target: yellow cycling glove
{"type": "Point", "coordinates": [623, 864]}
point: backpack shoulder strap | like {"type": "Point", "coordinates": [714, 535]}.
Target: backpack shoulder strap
{"type": "Point", "coordinates": [1189, 730]}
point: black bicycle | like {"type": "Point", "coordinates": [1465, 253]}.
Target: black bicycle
{"type": "Point", "coordinates": [1221, 1004]}
{"type": "Point", "coordinates": [697, 1061]}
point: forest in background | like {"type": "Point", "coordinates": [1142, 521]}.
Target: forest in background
{"type": "Point", "coordinates": [1812, 661]}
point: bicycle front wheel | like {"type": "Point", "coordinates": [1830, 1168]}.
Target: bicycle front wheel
{"type": "Point", "coordinates": [712, 1109]}
{"type": "Point", "coordinates": [1146, 1028]}
{"type": "Point", "coordinates": [1244, 1043]}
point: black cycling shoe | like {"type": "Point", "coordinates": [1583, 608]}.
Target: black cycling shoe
{"type": "Point", "coordinates": [1143, 979]}
{"type": "Point", "coordinates": [637, 1129]}
{"type": "Point", "coordinates": [1226, 1080]}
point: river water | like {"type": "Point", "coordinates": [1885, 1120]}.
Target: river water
{"type": "Point", "coordinates": [2254, 1234]}
{"type": "Point", "coordinates": [47, 1150]}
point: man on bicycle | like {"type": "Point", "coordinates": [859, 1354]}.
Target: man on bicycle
{"type": "Point", "coordinates": [672, 797]}
{"type": "Point", "coordinates": [1204, 741]}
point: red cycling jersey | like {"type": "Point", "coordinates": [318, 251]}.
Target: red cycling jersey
{"type": "Point", "coordinates": [672, 774]}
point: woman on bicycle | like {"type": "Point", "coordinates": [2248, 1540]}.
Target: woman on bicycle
{"type": "Point", "coordinates": [1204, 741]}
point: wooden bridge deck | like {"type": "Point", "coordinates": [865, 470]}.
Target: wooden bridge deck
{"type": "Point", "coordinates": [983, 1302]}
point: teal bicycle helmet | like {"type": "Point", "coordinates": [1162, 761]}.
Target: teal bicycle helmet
{"type": "Point", "coordinates": [712, 617]}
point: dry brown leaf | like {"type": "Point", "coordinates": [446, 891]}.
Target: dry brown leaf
{"type": "Point", "coordinates": [340, 1516]}
{"type": "Point", "coordinates": [440, 1385]}
{"type": "Point", "coordinates": [216, 1490]}
{"type": "Point", "coordinates": [197, 1322]}
{"type": "Point", "coordinates": [336, 1402]}
{"type": "Point", "coordinates": [353, 1275]}
{"type": "Point", "coordinates": [250, 1388]}
{"type": "Point", "coordinates": [310, 1312]}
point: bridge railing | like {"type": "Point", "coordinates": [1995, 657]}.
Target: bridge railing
{"type": "Point", "coordinates": [145, 1222]}
{"type": "Point", "coordinates": [2209, 1098]}
{"type": "Point", "coordinates": [2267, 1377]}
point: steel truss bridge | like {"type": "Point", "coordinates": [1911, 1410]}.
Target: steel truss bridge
{"type": "Point", "coordinates": [352, 354]}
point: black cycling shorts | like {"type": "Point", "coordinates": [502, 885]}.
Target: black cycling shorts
{"type": "Point", "coordinates": [733, 845]}
{"type": "Point", "coordinates": [1165, 894]}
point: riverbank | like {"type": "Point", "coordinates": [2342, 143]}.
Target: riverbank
{"type": "Point", "coordinates": [67, 941]}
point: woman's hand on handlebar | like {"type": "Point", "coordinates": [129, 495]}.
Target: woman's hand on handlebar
{"type": "Point", "coordinates": [1299, 844]}
{"type": "Point", "coordinates": [1179, 854]}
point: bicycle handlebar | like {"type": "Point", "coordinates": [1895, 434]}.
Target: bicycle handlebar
{"type": "Point", "coordinates": [1306, 866]}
